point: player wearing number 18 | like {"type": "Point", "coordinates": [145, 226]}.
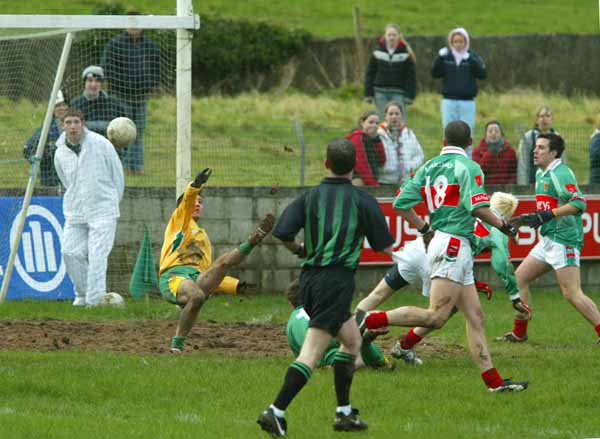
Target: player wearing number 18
{"type": "Point", "coordinates": [451, 184]}
{"type": "Point", "coordinates": [559, 204]}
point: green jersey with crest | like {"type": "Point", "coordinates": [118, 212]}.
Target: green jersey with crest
{"type": "Point", "coordinates": [555, 187]}
{"type": "Point", "coordinates": [451, 185]}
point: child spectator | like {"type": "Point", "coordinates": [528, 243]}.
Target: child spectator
{"type": "Point", "coordinates": [496, 156]}
{"type": "Point", "coordinates": [370, 154]}
{"type": "Point", "coordinates": [403, 153]}
{"type": "Point", "coordinates": [543, 125]}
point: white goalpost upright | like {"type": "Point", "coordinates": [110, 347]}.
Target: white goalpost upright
{"type": "Point", "coordinates": [183, 23]}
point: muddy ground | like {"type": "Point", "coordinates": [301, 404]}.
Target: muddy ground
{"type": "Point", "coordinates": [153, 337]}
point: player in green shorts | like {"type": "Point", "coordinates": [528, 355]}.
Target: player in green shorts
{"type": "Point", "coordinates": [452, 185]}
{"type": "Point", "coordinates": [371, 354]}
{"type": "Point", "coordinates": [559, 204]}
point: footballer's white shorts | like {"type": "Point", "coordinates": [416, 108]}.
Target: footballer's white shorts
{"type": "Point", "coordinates": [555, 254]}
{"type": "Point", "coordinates": [413, 265]}
{"type": "Point", "coordinates": [450, 257]}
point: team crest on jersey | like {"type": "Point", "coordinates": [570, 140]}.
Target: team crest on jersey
{"type": "Point", "coordinates": [478, 180]}
{"type": "Point", "coordinates": [571, 188]}
{"type": "Point", "coordinates": [546, 186]}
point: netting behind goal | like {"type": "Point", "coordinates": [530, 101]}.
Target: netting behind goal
{"type": "Point", "coordinates": [124, 76]}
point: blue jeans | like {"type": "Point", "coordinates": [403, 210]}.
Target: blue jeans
{"type": "Point", "coordinates": [385, 95]}
{"type": "Point", "coordinates": [453, 109]}
{"type": "Point", "coordinates": [134, 158]}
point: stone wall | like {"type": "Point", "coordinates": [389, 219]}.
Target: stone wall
{"type": "Point", "coordinates": [230, 215]}
{"type": "Point", "coordinates": [552, 62]}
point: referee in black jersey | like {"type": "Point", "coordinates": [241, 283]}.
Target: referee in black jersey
{"type": "Point", "coordinates": [336, 217]}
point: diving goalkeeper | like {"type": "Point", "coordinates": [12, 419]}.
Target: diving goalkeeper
{"type": "Point", "coordinates": [187, 274]}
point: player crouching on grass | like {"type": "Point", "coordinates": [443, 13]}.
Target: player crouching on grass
{"type": "Point", "coordinates": [559, 204]}
{"type": "Point", "coordinates": [452, 186]}
{"type": "Point", "coordinates": [371, 354]}
{"type": "Point", "coordinates": [411, 263]}
{"type": "Point", "coordinates": [187, 274]}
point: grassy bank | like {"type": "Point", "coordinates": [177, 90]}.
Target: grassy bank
{"type": "Point", "coordinates": [250, 139]}
{"type": "Point", "coordinates": [332, 18]}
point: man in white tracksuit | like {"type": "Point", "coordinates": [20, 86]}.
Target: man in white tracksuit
{"type": "Point", "coordinates": [91, 172]}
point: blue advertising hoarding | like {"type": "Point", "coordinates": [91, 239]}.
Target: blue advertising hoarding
{"type": "Point", "coordinates": [39, 270]}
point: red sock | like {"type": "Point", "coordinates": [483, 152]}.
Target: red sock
{"type": "Point", "coordinates": [597, 328]}
{"type": "Point", "coordinates": [492, 378]}
{"type": "Point", "coordinates": [520, 329]}
{"type": "Point", "coordinates": [410, 339]}
{"type": "Point", "coordinates": [376, 320]}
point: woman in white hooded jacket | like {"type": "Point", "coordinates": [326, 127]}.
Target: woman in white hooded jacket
{"type": "Point", "coordinates": [402, 149]}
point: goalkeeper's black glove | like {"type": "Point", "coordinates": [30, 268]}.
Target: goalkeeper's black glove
{"type": "Point", "coordinates": [509, 229]}
{"type": "Point", "coordinates": [201, 178]}
{"type": "Point", "coordinates": [534, 219]}
{"type": "Point", "coordinates": [427, 233]}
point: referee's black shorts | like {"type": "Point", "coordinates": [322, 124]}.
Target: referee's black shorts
{"type": "Point", "coordinates": [327, 296]}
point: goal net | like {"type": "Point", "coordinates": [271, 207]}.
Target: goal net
{"type": "Point", "coordinates": [109, 73]}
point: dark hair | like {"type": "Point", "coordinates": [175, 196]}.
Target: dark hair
{"type": "Point", "coordinates": [292, 293]}
{"type": "Point", "coordinates": [180, 199]}
{"type": "Point", "coordinates": [391, 104]}
{"type": "Point", "coordinates": [555, 143]}
{"type": "Point", "coordinates": [365, 116]}
{"type": "Point", "coordinates": [494, 122]}
{"type": "Point", "coordinates": [74, 112]}
{"type": "Point", "coordinates": [458, 133]}
{"type": "Point", "coordinates": [341, 156]}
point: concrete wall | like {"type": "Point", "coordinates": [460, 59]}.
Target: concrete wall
{"type": "Point", "coordinates": [230, 215]}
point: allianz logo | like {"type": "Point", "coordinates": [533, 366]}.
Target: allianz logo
{"type": "Point", "coordinates": [39, 253]}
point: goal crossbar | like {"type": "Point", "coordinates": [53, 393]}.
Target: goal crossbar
{"type": "Point", "coordinates": [81, 22]}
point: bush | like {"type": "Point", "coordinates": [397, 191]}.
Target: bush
{"type": "Point", "coordinates": [228, 54]}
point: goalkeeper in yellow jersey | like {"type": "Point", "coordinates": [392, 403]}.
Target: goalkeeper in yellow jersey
{"type": "Point", "coordinates": [187, 274]}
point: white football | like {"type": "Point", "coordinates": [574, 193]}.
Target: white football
{"type": "Point", "coordinates": [113, 299]}
{"type": "Point", "coordinates": [121, 131]}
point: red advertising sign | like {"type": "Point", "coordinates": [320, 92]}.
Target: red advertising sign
{"type": "Point", "coordinates": [528, 237]}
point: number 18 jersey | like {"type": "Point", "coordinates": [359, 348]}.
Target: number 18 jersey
{"type": "Point", "coordinates": [451, 185]}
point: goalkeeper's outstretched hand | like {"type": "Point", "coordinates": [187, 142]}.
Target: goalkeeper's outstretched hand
{"type": "Point", "coordinates": [534, 219]}
{"type": "Point", "coordinates": [509, 229]}
{"type": "Point", "coordinates": [202, 177]}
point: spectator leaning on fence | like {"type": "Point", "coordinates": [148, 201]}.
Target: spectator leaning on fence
{"type": "Point", "coordinates": [97, 106]}
{"type": "Point", "coordinates": [403, 153]}
{"type": "Point", "coordinates": [496, 156]}
{"type": "Point", "coordinates": [132, 64]}
{"type": "Point", "coordinates": [370, 155]}
{"type": "Point", "coordinates": [48, 174]}
{"type": "Point", "coordinates": [460, 68]}
{"type": "Point", "coordinates": [391, 73]}
{"type": "Point", "coordinates": [543, 125]}
{"type": "Point", "coordinates": [595, 153]}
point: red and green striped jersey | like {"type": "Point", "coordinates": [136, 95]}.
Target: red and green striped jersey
{"type": "Point", "coordinates": [555, 187]}
{"type": "Point", "coordinates": [451, 185]}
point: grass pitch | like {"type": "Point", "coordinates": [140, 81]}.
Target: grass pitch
{"type": "Point", "coordinates": [211, 395]}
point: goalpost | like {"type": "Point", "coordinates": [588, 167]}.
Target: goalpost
{"type": "Point", "coordinates": [183, 23]}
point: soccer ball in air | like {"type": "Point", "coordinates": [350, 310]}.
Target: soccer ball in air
{"type": "Point", "coordinates": [113, 299]}
{"type": "Point", "coordinates": [121, 131]}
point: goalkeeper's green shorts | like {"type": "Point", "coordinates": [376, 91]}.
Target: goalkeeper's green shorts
{"type": "Point", "coordinates": [171, 279]}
